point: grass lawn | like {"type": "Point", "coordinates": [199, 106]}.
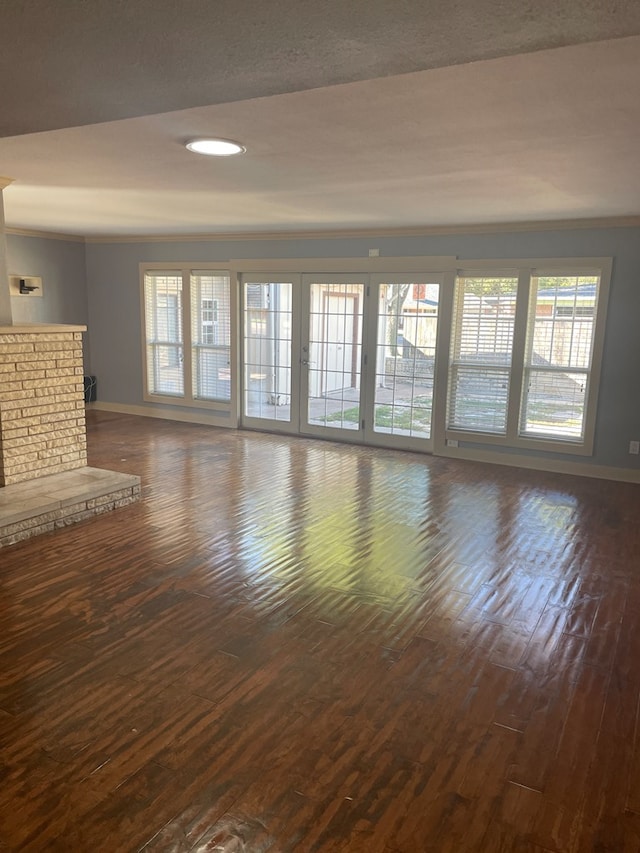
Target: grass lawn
{"type": "Point", "coordinates": [415, 415]}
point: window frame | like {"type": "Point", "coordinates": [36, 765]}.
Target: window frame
{"type": "Point", "coordinates": [151, 321]}
{"type": "Point", "coordinates": [187, 400]}
{"type": "Point", "coordinates": [458, 362]}
{"type": "Point", "coordinates": [526, 271]}
{"type": "Point", "coordinates": [447, 441]}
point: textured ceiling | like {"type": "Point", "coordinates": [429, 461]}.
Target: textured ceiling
{"type": "Point", "coordinates": [548, 134]}
{"type": "Point", "coordinates": [84, 61]}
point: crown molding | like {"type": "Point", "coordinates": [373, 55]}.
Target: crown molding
{"type": "Point", "coordinates": [47, 235]}
{"type": "Point", "coordinates": [344, 233]}
{"type": "Point", "coordinates": [350, 233]}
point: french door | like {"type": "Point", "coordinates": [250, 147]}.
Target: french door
{"type": "Point", "coordinates": [332, 391]}
{"type": "Point", "coordinates": [349, 357]}
{"type": "Point", "coordinates": [406, 326]}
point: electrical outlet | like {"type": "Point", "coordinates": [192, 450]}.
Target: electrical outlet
{"type": "Point", "coordinates": [452, 442]}
{"type": "Point", "coordinates": [634, 447]}
{"type": "Point", "coordinates": [374, 253]}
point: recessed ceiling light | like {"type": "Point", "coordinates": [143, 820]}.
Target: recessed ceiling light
{"type": "Point", "coordinates": [216, 147]}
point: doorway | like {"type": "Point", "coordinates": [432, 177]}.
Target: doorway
{"type": "Point", "coordinates": [350, 357]}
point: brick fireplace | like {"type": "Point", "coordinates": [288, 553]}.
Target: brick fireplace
{"type": "Point", "coordinates": [45, 482]}
{"type": "Point", "coordinates": [42, 426]}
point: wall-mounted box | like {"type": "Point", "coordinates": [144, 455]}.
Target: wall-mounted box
{"type": "Point", "coordinates": [25, 285]}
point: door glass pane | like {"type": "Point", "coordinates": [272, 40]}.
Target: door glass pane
{"type": "Point", "coordinates": [406, 348]}
{"type": "Point", "coordinates": [267, 350]}
{"type": "Point", "coordinates": [335, 344]}
{"type": "Point", "coordinates": [163, 328]}
{"type": "Point", "coordinates": [210, 336]}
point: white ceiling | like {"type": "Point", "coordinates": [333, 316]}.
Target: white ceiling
{"type": "Point", "coordinates": [543, 135]}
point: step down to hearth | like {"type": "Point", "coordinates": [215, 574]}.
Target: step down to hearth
{"type": "Point", "coordinates": [46, 503]}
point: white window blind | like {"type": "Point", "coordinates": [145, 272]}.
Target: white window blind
{"type": "Point", "coordinates": [163, 328]}
{"type": "Point", "coordinates": [210, 335]}
{"type": "Point", "coordinates": [558, 359]}
{"type": "Point", "coordinates": [481, 353]}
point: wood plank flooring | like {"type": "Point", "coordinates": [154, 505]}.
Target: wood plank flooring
{"type": "Point", "coordinates": [291, 645]}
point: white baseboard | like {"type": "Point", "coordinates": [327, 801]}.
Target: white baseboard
{"type": "Point", "coordinates": [552, 466]}
{"type": "Point", "coordinates": [165, 413]}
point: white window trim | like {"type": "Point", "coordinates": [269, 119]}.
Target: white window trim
{"type": "Point", "coordinates": [187, 400]}
{"type": "Point", "coordinates": [526, 269]}
{"type": "Point", "coordinates": [468, 444]}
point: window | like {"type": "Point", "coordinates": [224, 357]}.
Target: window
{"type": "Point", "coordinates": [523, 349]}
{"type": "Point", "coordinates": [163, 324]}
{"type": "Point", "coordinates": [210, 335]}
{"type": "Point", "coordinates": [484, 318]}
{"type": "Point", "coordinates": [561, 323]}
{"type": "Point", "coordinates": [503, 353]}
{"type": "Point", "coordinates": [205, 297]}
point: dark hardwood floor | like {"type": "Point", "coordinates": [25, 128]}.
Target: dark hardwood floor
{"type": "Point", "coordinates": [291, 645]}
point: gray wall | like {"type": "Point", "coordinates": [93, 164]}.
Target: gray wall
{"type": "Point", "coordinates": [61, 265]}
{"type": "Point", "coordinates": [110, 304]}
{"type": "Point", "coordinates": [115, 322]}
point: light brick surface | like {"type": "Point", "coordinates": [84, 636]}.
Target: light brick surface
{"type": "Point", "coordinates": [41, 405]}
{"type": "Point", "coordinates": [46, 520]}
{"type": "Point", "coordinates": [61, 371]}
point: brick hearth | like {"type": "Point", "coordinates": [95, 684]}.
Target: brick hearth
{"type": "Point", "coordinates": [43, 451]}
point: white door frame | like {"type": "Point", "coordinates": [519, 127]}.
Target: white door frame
{"type": "Point", "coordinates": [301, 281]}
{"type": "Point", "coordinates": [401, 441]}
